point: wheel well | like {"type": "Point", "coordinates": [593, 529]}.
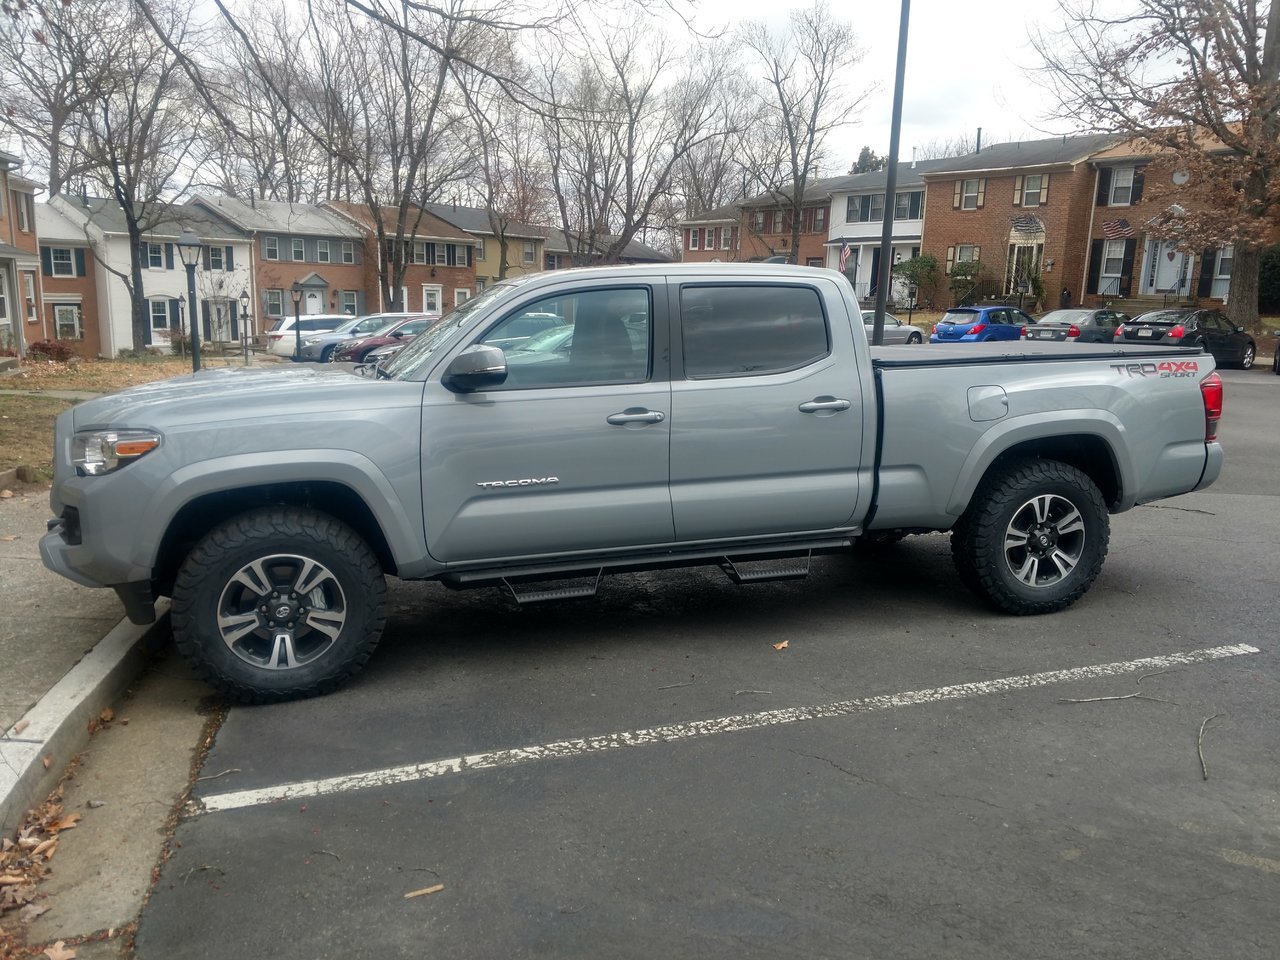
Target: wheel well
{"type": "Point", "coordinates": [202, 514]}
{"type": "Point", "coordinates": [1089, 454]}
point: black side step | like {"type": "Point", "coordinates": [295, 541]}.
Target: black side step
{"type": "Point", "coordinates": [747, 570]}
{"type": "Point", "coordinates": [553, 593]}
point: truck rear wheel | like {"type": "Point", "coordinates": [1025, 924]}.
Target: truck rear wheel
{"type": "Point", "coordinates": [1034, 537]}
{"type": "Point", "coordinates": [278, 604]}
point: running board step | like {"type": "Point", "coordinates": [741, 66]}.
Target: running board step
{"type": "Point", "coordinates": [553, 593]}
{"type": "Point", "coordinates": [759, 571]}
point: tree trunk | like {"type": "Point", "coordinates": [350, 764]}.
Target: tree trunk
{"type": "Point", "coordinates": [137, 295]}
{"type": "Point", "coordinates": [1242, 300]}
{"type": "Point", "coordinates": [502, 256]}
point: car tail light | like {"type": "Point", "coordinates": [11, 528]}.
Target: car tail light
{"type": "Point", "coordinates": [1211, 392]}
{"type": "Point", "coordinates": [1178, 332]}
{"type": "Point", "coordinates": [275, 336]}
{"type": "Point", "coordinates": [1023, 332]}
{"type": "Point", "coordinates": [977, 328]}
{"type": "Point", "coordinates": [1119, 331]}
{"type": "Point", "coordinates": [935, 328]}
{"type": "Point", "coordinates": [1073, 331]}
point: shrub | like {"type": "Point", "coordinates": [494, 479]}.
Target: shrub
{"type": "Point", "coordinates": [1269, 281]}
{"type": "Point", "coordinates": [60, 350]}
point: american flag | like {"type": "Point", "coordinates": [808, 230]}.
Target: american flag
{"type": "Point", "coordinates": [1116, 229]}
{"type": "Point", "coordinates": [844, 254]}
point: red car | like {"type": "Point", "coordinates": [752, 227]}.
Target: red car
{"type": "Point", "coordinates": [357, 350]}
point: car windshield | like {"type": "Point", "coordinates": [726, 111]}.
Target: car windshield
{"type": "Point", "coordinates": [1163, 317]}
{"type": "Point", "coordinates": [1066, 316]}
{"type": "Point", "coordinates": [960, 316]}
{"type": "Point", "coordinates": [347, 325]}
{"type": "Point", "coordinates": [414, 358]}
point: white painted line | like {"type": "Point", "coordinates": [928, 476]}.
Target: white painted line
{"type": "Point", "coordinates": [675, 732]}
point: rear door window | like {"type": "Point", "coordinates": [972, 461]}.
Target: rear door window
{"type": "Point", "coordinates": [751, 330]}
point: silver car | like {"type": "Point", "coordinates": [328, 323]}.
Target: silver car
{"type": "Point", "coordinates": [317, 347]}
{"type": "Point", "coordinates": [895, 331]}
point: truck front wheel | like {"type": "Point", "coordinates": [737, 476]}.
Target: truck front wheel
{"type": "Point", "coordinates": [1034, 537]}
{"type": "Point", "coordinates": [279, 603]}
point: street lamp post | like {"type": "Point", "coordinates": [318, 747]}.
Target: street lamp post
{"type": "Point", "coordinates": [296, 293]}
{"type": "Point", "coordinates": [244, 324]}
{"type": "Point", "coordinates": [189, 249]}
{"type": "Point", "coordinates": [912, 291]}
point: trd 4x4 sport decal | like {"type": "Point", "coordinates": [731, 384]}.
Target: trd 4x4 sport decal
{"type": "Point", "coordinates": [1166, 368]}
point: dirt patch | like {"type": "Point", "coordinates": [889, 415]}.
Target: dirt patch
{"type": "Point", "coordinates": [99, 376]}
{"type": "Point", "coordinates": [26, 432]}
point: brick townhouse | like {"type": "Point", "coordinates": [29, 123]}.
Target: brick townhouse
{"type": "Point", "coordinates": [20, 301]}
{"type": "Point", "coordinates": [440, 259]}
{"type": "Point", "coordinates": [68, 283]}
{"type": "Point", "coordinates": [561, 254]}
{"type": "Point", "coordinates": [524, 241]}
{"type": "Point", "coordinates": [1020, 209]}
{"type": "Point", "coordinates": [761, 228]}
{"type": "Point", "coordinates": [711, 236]}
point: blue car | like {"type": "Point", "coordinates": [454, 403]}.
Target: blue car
{"type": "Point", "coordinates": [980, 324]}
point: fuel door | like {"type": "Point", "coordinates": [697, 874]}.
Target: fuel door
{"type": "Point", "coordinates": [987, 403]}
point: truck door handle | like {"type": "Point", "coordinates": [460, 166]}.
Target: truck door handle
{"type": "Point", "coordinates": [824, 403]}
{"type": "Point", "coordinates": [636, 415]}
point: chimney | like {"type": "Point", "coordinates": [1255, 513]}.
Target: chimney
{"type": "Point", "coordinates": [913, 158]}
{"type": "Point", "coordinates": [84, 195]}
{"type": "Point", "coordinates": [978, 146]}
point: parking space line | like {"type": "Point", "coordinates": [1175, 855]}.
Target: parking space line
{"type": "Point", "coordinates": [673, 733]}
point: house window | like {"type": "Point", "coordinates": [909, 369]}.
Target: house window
{"type": "Point", "coordinates": [419, 252]}
{"type": "Point", "coordinates": [969, 194]}
{"type": "Point", "coordinates": [349, 302]}
{"type": "Point", "coordinates": [1032, 190]}
{"type": "Point", "coordinates": [726, 236]}
{"type": "Point", "coordinates": [215, 258]}
{"type": "Point", "coordinates": [299, 249]}
{"type": "Point", "coordinates": [1121, 187]}
{"type": "Point", "coordinates": [709, 239]}
{"type": "Point", "coordinates": [63, 264]}
{"type": "Point", "coordinates": [271, 248]}
{"type": "Point", "coordinates": [877, 208]}
{"type": "Point", "coordinates": [695, 238]}
{"type": "Point", "coordinates": [906, 206]}
{"type": "Point", "coordinates": [275, 303]}
{"type": "Point", "coordinates": [529, 254]}
{"type": "Point", "coordinates": [29, 287]}
{"type": "Point", "coordinates": [66, 322]}
{"type": "Point", "coordinates": [1225, 260]}
{"type": "Point", "coordinates": [819, 219]}
{"type": "Point", "coordinates": [757, 221]}
{"type": "Point", "coordinates": [480, 248]}
{"type": "Point", "coordinates": [24, 212]}
{"type": "Point", "coordinates": [851, 208]}
{"type": "Point", "coordinates": [966, 252]}
{"type": "Point", "coordinates": [1113, 258]}
{"type": "Point", "coordinates": [159, 311]}
{"type": "Point", "coordinates": [460, 296]}
{"type": "Point", "coordinates": [442, 255]}
{"type": "Point", "coordinates": [155, 256]}
{"type": "Point", "coordinates": [348, 252]}
{"type": "Point", "coordinates": [322, 251]}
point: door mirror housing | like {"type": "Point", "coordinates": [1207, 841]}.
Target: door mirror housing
{"type": "Point", "coordinates": [477, 367]}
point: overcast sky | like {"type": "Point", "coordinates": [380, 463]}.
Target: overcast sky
{"type": "Point", "coordinates": [967, 67]}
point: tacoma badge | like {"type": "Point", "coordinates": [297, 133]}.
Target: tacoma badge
{"type": "Point", "coordinates": [529, 482]}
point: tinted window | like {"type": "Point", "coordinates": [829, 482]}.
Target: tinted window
{"type": "Point", "coordinates": [606, 340]}
{"type": "Point", "coordinates": [751, 330]}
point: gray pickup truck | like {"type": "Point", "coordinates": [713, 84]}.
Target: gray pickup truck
{"type": "Point", "coordinates": [717, 414]}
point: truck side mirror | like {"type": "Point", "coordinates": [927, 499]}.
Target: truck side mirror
{"type": "Point", "coordinates": [477, 367]}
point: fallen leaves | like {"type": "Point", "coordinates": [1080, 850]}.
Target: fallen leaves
{"type": "Point", "coordinates": [24, 860]}
{"type": "Point", "coordinates": [60, 952]}
{"type": "Point", "coordinates": [5, 494]}
{"type": "Point", "coordinates": [425, 891]}
{"type": "Point", "coordinates": [782, 646]}
{"type": "Point", "coordinates": [9, 538]}
{"type": "Point", "coordinates": [20, 726]}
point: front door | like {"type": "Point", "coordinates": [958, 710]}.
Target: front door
{"type": "Point", "coordinates": [6, 317]}
{"type": "Point", "coordinates": [572, 453]}
{"type": "Point", "coordinates": [1167, 268]}
{"type": "Point", "coordinates": [313, 302]}
{"type": "Point", "coordinates": [766, 422]}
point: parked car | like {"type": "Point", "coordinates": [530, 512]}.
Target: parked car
{"type": "Point", "coordinates": [980, 324]}
{"type": "Point", "coordinates": [319, 347]}
{"type": "Point", "coordinates": [522, 328]}
{"type": "Point", "coordinates": [1275, 363]}
{"type": "Point", "coordinates": [282, 339]}
{"type": "Point", "coordinates": [1078, 325]}
{"type": "Point", "coordinates": [404, 329]}
{"type": "Point", "coordinates": [895, 331]}
{"type": "Point", "coordinates": [1209, 330]}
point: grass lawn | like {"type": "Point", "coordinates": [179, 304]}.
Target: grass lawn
{"type": "Point", "coordinates": [26, 432]}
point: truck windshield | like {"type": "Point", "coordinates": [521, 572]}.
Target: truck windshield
{"type": "Point", "coordinates": [410, 362]}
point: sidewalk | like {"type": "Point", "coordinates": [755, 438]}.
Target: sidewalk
{"type": "Point", "coordinates": [66, 653]}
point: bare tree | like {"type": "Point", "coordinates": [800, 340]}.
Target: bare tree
{"type": "Point", "coordinates": [943, 148]}
{"type": "Point", "coordinates": [1197, 83]}
{"type": "Point", "coordinates": [801, 99]}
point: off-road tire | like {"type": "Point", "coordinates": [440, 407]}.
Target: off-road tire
{"type": "Point", "coordinates": [211, 567]}
{"type": "Point", "coordinates": [979, 544]}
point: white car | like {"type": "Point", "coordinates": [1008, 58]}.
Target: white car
{"type": "Point", "coordinates": [282, 339]}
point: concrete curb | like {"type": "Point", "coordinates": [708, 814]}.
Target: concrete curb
{"type": "Point", "coordinates": [58, 726]}
{"type": "Point", "coordinates": [8, 477]}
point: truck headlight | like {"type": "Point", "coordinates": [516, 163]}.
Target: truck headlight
{"type": "Point", "coordinates": [95, 452]}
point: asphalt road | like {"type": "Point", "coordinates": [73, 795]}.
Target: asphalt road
{"type": "Point", "coordinates": [839, 811]}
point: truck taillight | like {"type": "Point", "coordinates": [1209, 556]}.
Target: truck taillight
{"type": "Point", "coordinates": [1211, 392]}
{"type": "Point", "coordinates": [1073, 331]}
{"type": "Point", "coordinates": [1177, 332]}
{"type": "Point", "coordinates": [977, 328]}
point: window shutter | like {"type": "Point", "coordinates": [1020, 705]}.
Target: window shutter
{"type": "Point", "coordinates": [80, 268]}
{"type": "Point", "coordinates": [951, 258]}
{"type": "Point", "coordinates": [1017, 191]}
{"type": "Point", "coordinates": [955, 197]}
{"type": "Point", "coordinates": [1044, 189]}
{"type": "Point", "coordinates": [1126, 269]}
{"type": "Point", "coordinates": [982, 192]}
{"type": "Point", "coordinates": [1138, 180]}
{"type": "Point", "coordinates": [204, 255]}
{"type": "Point", "coordinates": [168, 256]}
{"type": "Point", "coordinates": [977, 251]}
{"type": "Point", "coordinates": [1208, 261]}
{"type": "Point", "coordinates": [204, 317]}
{"type": "Point", "coordinates": [227, 262]}
{"type": "Point", "coordinates": [1104, 187]}
{"type": "Point", "coordinates": [1095, 267]}
{"type": "Point", "coordinates": [174, 316]}
{"type": "Point", "coordinates": [46, 261]}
